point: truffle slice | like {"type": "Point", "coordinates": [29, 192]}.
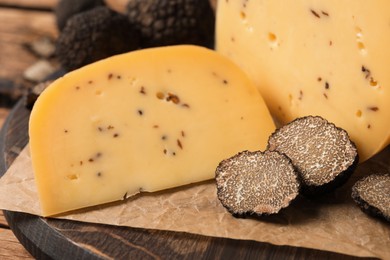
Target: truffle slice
{"type": "Point", "coordinates": [93, 35]}
{"type": "Point", "coordinates": [372, 195]}
{"type": "Point", "coordinates": [259, 183]}
{"type": "Point", "coordinates": [170, 22]}
{"type": "Point", "coordinates": [323, 154]}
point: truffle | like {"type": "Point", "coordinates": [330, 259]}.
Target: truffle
{"type": "Point", "coordinates": [256, 183]}
{"type": "Point", "coordinates": [372, 195]}
{"type": "Point", "coordinates": [94, 35]}
{"type": "Point", "coordinates": [170, 22]}
{"type": "Point", "coordinates": [65, 9]}
{"type": "Point", "coordinates": [323, 154]}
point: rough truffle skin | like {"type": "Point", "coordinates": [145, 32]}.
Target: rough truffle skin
{"type": "Point", "coordinates": [65, 9]}
{"type": "Point", "coordinates": [170, 22]}
{"type": "Point", "coordinates": [93, 35]}
{"type": "Point", "coordinates": [323, 154]}
{"type": "Point", "coordinates": [372, 195]}
{"type": "Point", "coordinates": [256, 183]}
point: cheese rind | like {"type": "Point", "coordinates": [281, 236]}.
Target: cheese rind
{"type": "Point", "coordinates": [329, 58]}
{"type": "Point", "coordinates": [142, 121]}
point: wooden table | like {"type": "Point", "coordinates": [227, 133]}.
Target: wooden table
{"type": "Point", "coordinates": [21, 22]}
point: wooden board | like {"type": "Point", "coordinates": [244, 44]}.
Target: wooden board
{"type": "Point", "coordinates": [51, 238]}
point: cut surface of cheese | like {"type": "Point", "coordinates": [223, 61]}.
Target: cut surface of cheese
{"type": "Point", "coordinates": [147, 120]}
{"type": "Point", "coordinates": [328, 58]}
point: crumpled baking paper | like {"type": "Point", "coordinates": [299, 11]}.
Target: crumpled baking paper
{"type": "Point", "coordinates": [331, 223]}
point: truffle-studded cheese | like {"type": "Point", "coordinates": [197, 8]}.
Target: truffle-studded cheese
{"type": "Point", "coordinates": [329, 58]}
{"type": "Point", "coordinates": [142, 121]}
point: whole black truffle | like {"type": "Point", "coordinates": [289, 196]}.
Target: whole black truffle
{"type": "Point", "coordinates": [94, 35]}
{"type": "Point", "coordinates": [259, 183]}
{"type": "Point", "coordinates": [323, 154]}
{"type": "Point", "coordinates": [372, 195]}
{"type": "Point", "coordinates": [65, 9]}
{"type": "Point", "coordinates": [170, 22]}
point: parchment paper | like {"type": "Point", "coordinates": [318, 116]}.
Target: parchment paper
{"type": "Point", "coordinates": [332, 223]}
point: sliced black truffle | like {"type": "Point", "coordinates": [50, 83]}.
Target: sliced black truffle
{"type": "Point", "coordinates": [256, 183]}
{"type": "Point", "coordinates": [170, 22]}
{"type": "Point", "coordinates": [65, 9]}
{"type": "Point", "coordinates": [372, 194]}
{"type": "Point", "coordinates": [94, 35]}
{"type": "Point", "coordinates": [323, 154]}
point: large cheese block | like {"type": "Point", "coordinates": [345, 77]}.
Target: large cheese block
{"type": "Point", "coordinates": [142, 121]}
{"type": "Point", "coordinates": [329, 58]}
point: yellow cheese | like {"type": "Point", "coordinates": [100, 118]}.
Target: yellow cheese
{"type": "Point", "coordinates": [329, 58]}
{"type": "Point", "coordinates": [142, 121]}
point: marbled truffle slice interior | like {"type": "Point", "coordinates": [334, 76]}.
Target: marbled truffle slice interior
{"type": "Point", "coordinates": [372, 194]}
{"type": "Point", "coordinates": [322, 152]}
{"type": "Point", "coordinates": [260, 183]}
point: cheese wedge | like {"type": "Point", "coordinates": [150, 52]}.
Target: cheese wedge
{"type": "Point", "coordinates": [329, 58]}
{"type": "Point", "coordinates": [147, 120]}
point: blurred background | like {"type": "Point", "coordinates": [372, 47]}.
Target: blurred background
{"type": "Point", "coordinates": [26, 27]}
